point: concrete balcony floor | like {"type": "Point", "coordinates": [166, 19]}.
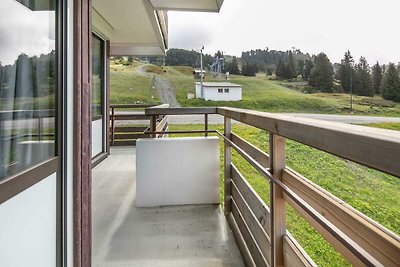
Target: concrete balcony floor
{"type": "Point", "coordinates": [123, 235]}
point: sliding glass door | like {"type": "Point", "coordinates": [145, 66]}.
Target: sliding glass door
{"type": "Point", "coordinates": [31, 124]}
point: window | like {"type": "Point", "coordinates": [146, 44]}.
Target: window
{"type": "Point", "coordinates": [28, 84]}
{"type": "Point", "coordinates": [226, 90]}
{"type": "Point", "coordinates": [220, 90]}
{"type": "Point", "coordinates": [98, 74]}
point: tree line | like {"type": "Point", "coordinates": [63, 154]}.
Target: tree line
{"type": "Point", "coordinates": [28, 76]}
{"type": "Point", "coordinates": [347, 76]}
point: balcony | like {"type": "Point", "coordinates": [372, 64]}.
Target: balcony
{"type": "Point", "coordinates": [243, 230]}
{"type": "Point", "coordinates": [124, 235]}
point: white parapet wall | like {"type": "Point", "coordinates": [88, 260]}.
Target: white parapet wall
{"type": "Point", "coordinates": [177, 171]}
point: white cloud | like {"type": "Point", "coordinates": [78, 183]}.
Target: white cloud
{"type": "Point", "coordinates": [24, 31]}
{"type": "Point", "coordinates": [365, 27]}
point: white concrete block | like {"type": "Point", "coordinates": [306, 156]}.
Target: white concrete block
{"type": "Point", "coordinates": [177, 171]}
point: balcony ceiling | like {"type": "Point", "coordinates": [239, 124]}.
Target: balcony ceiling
{"type": "Point", "coordinates": [131, 26]}
{"type": "Point", "coordinates": [188, 5]}
{"type": "Point", "coordinates": [134, 28]}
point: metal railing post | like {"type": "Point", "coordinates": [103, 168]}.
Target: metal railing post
{"type": "Point", "coordinates": [206, 124]}
{"type": "Point", "coordinates": [227, 167]}
{"type": "Point", "coordinates": [112, 125]}
{"type": "Point", "coordinates": [277, 202]}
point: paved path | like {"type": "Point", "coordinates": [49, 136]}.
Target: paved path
{"type": "Point", "coordinates": [346, 118]}
{"type": "Point", "coordinates": [217, 119]}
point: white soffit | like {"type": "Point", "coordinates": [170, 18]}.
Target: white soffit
{"type": "Point", "coordinates": [133, 26]}
{"type": "Point", "coordinates": [188, 5]}
{"type": "Point", "coordinates": [136, 50]}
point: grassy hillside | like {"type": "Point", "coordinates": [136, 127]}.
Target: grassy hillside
{"type": "Point", "coordinates": [371, 192]}
{"type": "Point", "coordinates": [259, 93]}
{"type": "Point", "coordinates": [129, 84]}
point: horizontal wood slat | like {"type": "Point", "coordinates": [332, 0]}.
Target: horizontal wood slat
{"type": "Point", "coordinates": [252, 150]}
{"type": "Point", "coordinates": [373, 238]}
{"type": "Point", "coordinates": [294, 255]}
{"type": "Point", "coordinates": [257, 205]}
{"type": "Point", "coordinates": [332, 239]}
{"type": "Point", "coordinates": [124, 143]}
{"type": "Point", "coordinates": [375, 148]}
{"type": "Point", "coordinates": [249, 239]}
{"type": "Point", "coordinates": [130, 129]}
{"type": "Point", "coordinates": [259, 234]}
{"type": "Point", "coordinates": [240, 242]}
{"type": "Point", "coordinates": [124, 136]}
{"type": "Point", "coordinates": [131, 117]}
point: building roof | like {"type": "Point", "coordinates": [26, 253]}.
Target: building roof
{"type": "Point", "coordinates": [219, 84]}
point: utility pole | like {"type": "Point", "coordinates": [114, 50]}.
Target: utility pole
{"type": "Point", "coordinates": [201, 69]}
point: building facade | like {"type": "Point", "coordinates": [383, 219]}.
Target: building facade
{"type": "Point", "coordinates": [219, 91]}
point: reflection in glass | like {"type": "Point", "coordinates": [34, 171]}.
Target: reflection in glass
{"type": "Point", "coordinates": [27, 83]}
{"type": "Point", "coordinates": [97, 75]}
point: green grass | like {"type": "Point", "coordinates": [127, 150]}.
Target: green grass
{"type": "Point", "coordinates": [371, 192]}
{"type": "Point", "coordinates": [128, 86]}
{"type": "Point", "coordinates": [385, 125]}
{"type": "Point", "coordinates": [259, 93]}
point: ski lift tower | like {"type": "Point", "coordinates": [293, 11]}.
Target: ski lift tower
{"type": "Point", "coordinates": [216, 67]}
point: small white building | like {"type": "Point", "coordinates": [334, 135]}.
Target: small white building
{"type": "Point", "coordinates": [219, 91]}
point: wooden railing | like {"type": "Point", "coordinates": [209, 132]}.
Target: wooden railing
{"type": "Point", "coordinates": [127, 135]}
{"type": "Point", "coordinates": [36, 127]}
{"type": "Point", "coordinates": [260, 230]}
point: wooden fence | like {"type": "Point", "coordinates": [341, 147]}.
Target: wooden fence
{"type": "Point", "coordinates": [126, 135]}
{"type": "Point", "coordinates": [260, 230]}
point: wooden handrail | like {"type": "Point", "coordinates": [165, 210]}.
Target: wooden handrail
{"type": "Point", "coordinates": [131, 106]}
{"type": "Point", "coordinates": [375, 148]}
{"type": "Point", "coordinates": [180, 111]}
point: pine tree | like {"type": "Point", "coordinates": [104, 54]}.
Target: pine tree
{"type": "Point", "coordinates": [300, 68]}
{"type": "Point", "coordinates": [363, 77]}
{"type": "Point", "coordinates": [280, 71]}
{"type": "Point", "coordinates": [308, 66]}
{"type": "Point", "coordinates": [322, 74]}
{"type": "Point", "coordinates": [248, 69]}
{"type": "Point", "coordinates": [377, 76]}
{"type": "Point", "coordinates": [291, 67]}
{"type": "Point", "coordinates": [233, 67]}
{"type": "Point", "coordinates": [391, 84]}
{"type": "Point", "coordinates": [345, 71]}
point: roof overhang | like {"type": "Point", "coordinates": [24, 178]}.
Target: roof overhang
{"type": "Point", "coordinates": [140, 27]}
{"type": "Point", "coordinates": [188, 5]}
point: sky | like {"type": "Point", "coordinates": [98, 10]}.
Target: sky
{"type": "Point", "coordinates": [24, 31]}
{"type": "Point", "coordinates": [368, 28]}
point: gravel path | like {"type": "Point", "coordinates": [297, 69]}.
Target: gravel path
{"type": "Point", "coordinates": [166, 91]}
